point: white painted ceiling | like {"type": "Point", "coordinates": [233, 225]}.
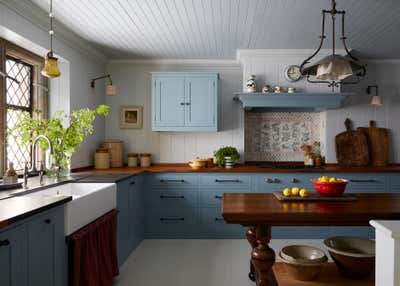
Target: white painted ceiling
{"type": "Point", "coordinates": [208, 29]}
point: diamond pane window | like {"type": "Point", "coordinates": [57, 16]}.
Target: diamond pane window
{"type": "Point", "coordinates": [18, 101]}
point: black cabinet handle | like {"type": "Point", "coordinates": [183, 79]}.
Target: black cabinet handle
{"type": "Point", "coordinates": [294, 180]}
{"type": "Point", "coordinates": [219, 219]}
{"type": "Point", "coordinates": [182, 103]}
{"type": "Point", "coordinates": [172, 219]}
{"type": "Point", "coordinates": [227, 181]}
{"type": "Point", "coordinates": [272, 181]}
{"type": "Point", "coordinates": [132, 183]}
{"type": "Point", "coordinates": [363, 181]}
{"type": "Point", "coordinates": [4, 242]}
{"type": "Point", "coordinates": [47, 221]}
{"type": "Point", "coordinates": [171, 181]}
{"type": "Point", "coordinates": [171, 197]}
{"type": "Point", "coordinates": [218, 197]}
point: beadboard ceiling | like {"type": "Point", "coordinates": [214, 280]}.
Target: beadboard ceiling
{"type": "Point", "coordinates": [215, 29]}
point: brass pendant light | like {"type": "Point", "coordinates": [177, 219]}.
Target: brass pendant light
{"type": "Point", "coordinates": [51, 69]}
{"type": "Point", "coordinates": [334, 68]}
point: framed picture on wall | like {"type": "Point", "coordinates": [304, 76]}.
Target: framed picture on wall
{"type": "Point", "coordinates": [131, 117]}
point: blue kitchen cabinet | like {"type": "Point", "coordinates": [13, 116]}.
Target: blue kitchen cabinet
{"type": "Point", "coordinates": [14, 256]}
{"type": "Point", "coordinates": [47, 254]}
{"type": "Point", "coordinates": [136, 216]}
{"type": "Point", "coordinates": [184, 102]}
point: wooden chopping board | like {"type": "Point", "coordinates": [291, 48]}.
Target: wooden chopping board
{"type": "Point", "coordinates": [378, 144]}
{"type": "Point", "coordinates": [352, 147]}
{"type": "Point", "coordinates": [312, 196]}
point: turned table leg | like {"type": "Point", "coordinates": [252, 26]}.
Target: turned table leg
{"type": "Point", "coordinates": [263, 257]}
{"type": "Point", "coordinates": [251, 238]}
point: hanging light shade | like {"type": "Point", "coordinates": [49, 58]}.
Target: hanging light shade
{"type": "Point", "coordinates": [111, 90]}
{"type": "Point", "coordinates": [333, 69]}
{"type": "Point", "coordinates": [51, 69]}
{"type": "Point", "coordinates": [376, 100]}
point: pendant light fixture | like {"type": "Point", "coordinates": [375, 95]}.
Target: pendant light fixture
{"type": "Point", "coordinates": [50, 64]}
{"type": "Point", "coordinates": [110, 88]}
{"type": "Point", "coordinates": [334, 68]}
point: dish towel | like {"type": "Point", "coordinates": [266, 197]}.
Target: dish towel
{"type": "Point", "coordinates": [94, 250]}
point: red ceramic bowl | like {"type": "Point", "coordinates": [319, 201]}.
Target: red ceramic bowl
{"type": "Point", "coordinates": [329, 189]}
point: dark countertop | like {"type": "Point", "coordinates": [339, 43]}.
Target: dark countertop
{"type": "Point", "coordinates": [16, 208]}
{"type": "Point", "coordinates": [242, 168]}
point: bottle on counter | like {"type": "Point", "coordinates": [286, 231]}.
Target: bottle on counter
{"type": "Point", "coordinates": [132, 160]}
{"type": "Point", "coordinates": [102, 158]}
{"type": "Point", "coordinates": [10, 177]}
{"type": "Point", "coordinates": [145, 160]}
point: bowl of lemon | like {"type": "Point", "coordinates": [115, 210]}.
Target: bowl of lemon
{"type": "Point", "coordinates": [329, 186]}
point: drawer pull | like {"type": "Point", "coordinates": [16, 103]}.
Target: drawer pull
{"type": "Point", "coordinates": [272, 181]}
{"type": "Point", "coordinates": [171, 181]}
{"type": "Point", "coordinates": [132, 183]}
{"type": "Point", "coordinates": [227, 181]}
{"type": "Point", "coordinates": [363, 181]}
{"type": "Point", "coordinates": [294, 180]}
{"type": "Point", "coordinates": [47, 221]}
{"type": "Point", "coordinates": [172, 219]}
{"type": "Point", "coordinates": [171, 197]}
{"type": "Point", "coordinates": [219, 219]}
{"type": "Point", "coordinates": [218, 197]}
{"type": "Point", "coordinates": [4, 242]}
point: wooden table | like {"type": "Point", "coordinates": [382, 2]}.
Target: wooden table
{"type": "Point", "coordinates": [261, 211]}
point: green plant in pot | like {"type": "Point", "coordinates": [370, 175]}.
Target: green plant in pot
{"type": "Point", "coordinates": [224, 152]}
{"type": "Point", "coordinates": [65, 132]}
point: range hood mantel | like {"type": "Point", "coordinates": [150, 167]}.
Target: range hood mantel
{"type": "Point", "coordinates": [292, 101]}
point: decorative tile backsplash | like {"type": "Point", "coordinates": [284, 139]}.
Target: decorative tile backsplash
{"type": "Point", "coordinates": [277, 136]}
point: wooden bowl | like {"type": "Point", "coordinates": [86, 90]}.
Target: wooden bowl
{"type": "Point", "coordinates": [354, 257]}
{"type": "Point", "coordinates": [303, 254]}
{"type": "Point", "coordinates": [302, 271]}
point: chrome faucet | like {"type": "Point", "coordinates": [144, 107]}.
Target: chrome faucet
{"type": "Point", "coordinates": [35, 141]}
{"type": "Point", "coordinates": [26, 174]}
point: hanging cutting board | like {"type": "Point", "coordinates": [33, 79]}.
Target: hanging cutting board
{"type": "Point", "coordinates": [351, 147]}
{"type": "Point", "coordinates": [378, 144]}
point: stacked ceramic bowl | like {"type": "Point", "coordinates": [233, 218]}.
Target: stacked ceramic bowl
{"type": "Point", "coordinates": [228, 162]}
{"type": "Point", "coordinates": [303, 262]}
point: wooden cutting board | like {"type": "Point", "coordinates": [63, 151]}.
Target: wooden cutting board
{"type": "Point", "coordinates": [313, 196]}
{"type": "Point", "coordinates": [378, 144]}
{"type": "Point", "coordinates": [352, 147]}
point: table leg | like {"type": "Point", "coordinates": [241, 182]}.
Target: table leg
{"type": "Point", "coordinates": [251, 238]}
{"type": "Point", "coordinates": [262, 256]}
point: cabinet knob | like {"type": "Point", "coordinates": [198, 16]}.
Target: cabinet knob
{"type": "Point", "coordinates": [218, 197]}
{"type": "Point", "coordinates": [47, 221]}
{"type": "Point", "coordinates": [219, 219]}
{"type": "Point", "coordinates": [132, 183]}
{"type": "Point", "coordinates": [294, 180]}
{"type": "Point", "coordinates": [4, 242]}
{"type": "Point", "coordinates": [182, 103]}
{"type": "Point", "coordinates": [277, 181]}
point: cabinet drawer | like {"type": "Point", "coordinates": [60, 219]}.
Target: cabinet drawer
{"type": "Point", "coordinates": [214, 226]}
{"type": "Point", "coordinates": [213, 197]}
{"type": "Point", "coordinates": [172, 180]}
{"type": "Point", "coordinates": [172, 198]}
{"type": "Point", "coordinates": [277, 182]}
{"type": "Point", "coordinates": [393, 183]}
{"type": "Point", "coordinates": [365, 183]}
{"type": "Point", "coordinates": [170, 223]}
{"type": "Point", "coordinates": [226, 181]}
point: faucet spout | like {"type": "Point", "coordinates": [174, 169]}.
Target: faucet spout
{"type": "Point", "coordinates": [34, 144]}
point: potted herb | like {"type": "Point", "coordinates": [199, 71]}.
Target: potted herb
{"type": "Point", "coordinates": [65, 132]}
{"type": "Point", "coordinates": [226, 156]}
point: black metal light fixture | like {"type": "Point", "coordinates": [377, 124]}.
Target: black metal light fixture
{"type": "Point", "coordinates": [333, 69]}
{"type": "Point", "coordinates": [110, 88]}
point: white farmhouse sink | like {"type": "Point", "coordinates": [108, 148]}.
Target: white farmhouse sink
{"type": "Point", "coordinates": [89, 201]}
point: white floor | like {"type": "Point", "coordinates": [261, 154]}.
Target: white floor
{"type": "Point", "coordinates": [182, 262]}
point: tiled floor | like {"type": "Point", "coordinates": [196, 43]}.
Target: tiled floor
{"type": "Point", "coordinates": [182, 262]}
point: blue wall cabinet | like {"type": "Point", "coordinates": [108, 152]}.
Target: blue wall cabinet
{"type": "Point", "coordinates": [13, 257]}
{"type": "Point", "coordinates": [184, 102]}
{"type": "Point", "coordinates": [46, 249]}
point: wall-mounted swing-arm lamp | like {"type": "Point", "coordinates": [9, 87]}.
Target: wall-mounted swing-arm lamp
{"type": "Point", "coordinates": [110, 89]}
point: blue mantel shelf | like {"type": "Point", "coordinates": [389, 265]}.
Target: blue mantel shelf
{"type": "Point", "coordinates": [292, 101]}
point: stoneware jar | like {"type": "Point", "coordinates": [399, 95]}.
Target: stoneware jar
{"type": "Point", "coordinates": [251, 84]}
{"type": "Point", "coordinates": [145, 160]}
{"type": "Point", "coordinates": [102, 159]}
{"type": "Point", "coordinates": [132, 160]}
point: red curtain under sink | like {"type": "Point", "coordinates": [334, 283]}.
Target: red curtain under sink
{"type": "Point", "coordinates": [94, 252]}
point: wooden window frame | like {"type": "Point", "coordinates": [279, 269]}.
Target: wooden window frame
{"type": "Point", "coordinates": [38, 95]}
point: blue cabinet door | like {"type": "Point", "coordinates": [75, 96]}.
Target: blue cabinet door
{"type": "Point", "coordinates": [200, 101]}
{"type": "Point", "coordinates": [123, 226]}
{"type": "Point", "coordinates": [168, 101]}
{"type": "Point", "coordinates": [13, 257]}
{"type": "Point", "coordinates": [46, 249]}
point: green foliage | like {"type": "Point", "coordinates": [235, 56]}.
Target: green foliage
{"type": "Point", "coordinates": [227, 151]}
{"type": "Point", "coordinates": [64, 138]}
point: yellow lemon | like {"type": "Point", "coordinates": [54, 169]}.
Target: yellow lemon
{"type": "Point", "coordinates": [333, 180]}
{"type": "Point", "coordinates": [287, 192]}
{"type": "Point", "coordinates": [324, 180]}
{"type": "Point", "coordinates": [295, 191]}
{"type": "Point", "coordinates": [303, 193]}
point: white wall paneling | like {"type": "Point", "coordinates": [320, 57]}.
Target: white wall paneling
{"type": "Point", "coordinates": [133, 79]}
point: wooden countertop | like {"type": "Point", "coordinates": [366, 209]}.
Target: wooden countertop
{"type": "Point", "coordinates": [240, 168]}
{"type": "Point", "coordinates": [253, 209]}
{"type": "Point", "coordinates": [17, 208]}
